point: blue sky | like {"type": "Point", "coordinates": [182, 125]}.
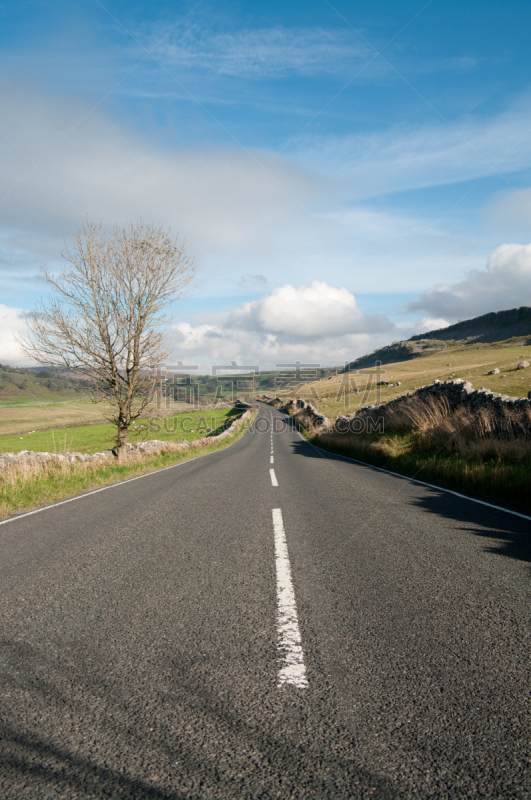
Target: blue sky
{"type": "Point", "coordinates": [345, 173]}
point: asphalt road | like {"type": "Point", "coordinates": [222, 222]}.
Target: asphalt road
{"type": "Point", "coordinates": [160, 640]}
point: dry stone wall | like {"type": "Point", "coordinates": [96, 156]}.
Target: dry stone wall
{"type": "Point", "coordinates": [457, 393]}
{"type": "Point", "coordinates": [152, 447]}
{"type": "Point", "coordinates": [306, 414]}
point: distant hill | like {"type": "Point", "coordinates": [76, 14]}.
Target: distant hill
{"type": "Point", "coordinates": [211, 386]}
{"type": "Point", "coordinates": [18, 384]}
{"type": "Point", "coordinates": [35, 384]}
{"type": "Point", "coordinates": [498, 326]}
{"type": "Point", "coordinates": [493, 327]}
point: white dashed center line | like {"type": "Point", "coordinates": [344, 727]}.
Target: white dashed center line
{"type": "Point", "coordinates": [274, 481]}
{"type": "Point", "coordinates": [292, 671]}
{"type": "Point", "coordinates": [271, 460]}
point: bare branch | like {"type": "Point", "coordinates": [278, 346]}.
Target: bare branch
{"type": "Point", "coordinates": [108, 312]}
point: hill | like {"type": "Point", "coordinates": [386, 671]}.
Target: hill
{"type": "Point", "coordinates": [20, 385]}
{"type": "Point", "coordinates": [493, 327]}
{"type": "Point", "coordinates": [490, 365]}
{"type": "Point", "coordinates": [496, 327]}
{"type": "Point", "coordinates": [211, 387]}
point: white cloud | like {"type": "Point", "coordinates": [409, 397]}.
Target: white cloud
{"type": "Point", "coordinates": [266, 350]}
{"type": "Point", "coordinates": [264, 53]}
{"type": "Point", "coordinates": [429, 324]}
{"type": "Point", "coordinates": [226, 200]}
{"type": "Point", "coordinates": [240, 219]}
{"type": "Point", "coordinates": [505, 283]}
{"type": "Point", "coordinates": [12, 320]}
{"type": "Point", "coordinates": [307, 312]}
{"type": "Point", "coordinates": [315, 322]}
{"type": "Point", "coordinates": [410, 156]}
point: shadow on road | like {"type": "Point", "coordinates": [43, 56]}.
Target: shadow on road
{"type": "Point", "coordinates": [86, 740]}
{"type": "Point", "coordinates": [511, 535]}
{"type": "Point", "coordinates": [34, 761]}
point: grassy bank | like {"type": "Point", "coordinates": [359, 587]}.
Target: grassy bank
{"type": "Point", "coordinates": [28, 486]}
{"type": "Point", "coordinates": [469, 452]}
{"type": "Point", "coordinates": [497, 480]}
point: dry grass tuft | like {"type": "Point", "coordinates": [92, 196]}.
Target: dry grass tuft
{"type": "Point", "coordinates": [433, 425]}
{"type": "Point", "coordinates": [483, 453]}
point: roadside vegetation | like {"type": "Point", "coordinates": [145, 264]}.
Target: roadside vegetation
{"type": "Point", "coordinates": [461, 450]}
{"type": "Point", "coordinates": [27, 486]}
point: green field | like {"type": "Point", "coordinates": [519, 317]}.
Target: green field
{"type": "Point", "coordinates": [96, 437]}
{"type": "Point", "coordinates": [23, 417]}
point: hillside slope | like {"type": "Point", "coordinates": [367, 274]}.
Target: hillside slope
{"type": "Point", "coordinates": [493, 327]}
{"type": "Point", "coordinates": [494, 366]}
{"type": "Point", "coordinates": [496, 327]}
{"type": "Point", "coordinates": [20, 385]}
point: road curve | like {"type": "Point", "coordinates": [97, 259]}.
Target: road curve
{"type": "Point", "coordinates": [267, 621]}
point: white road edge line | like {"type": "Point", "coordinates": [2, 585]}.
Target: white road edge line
{"type": "Point", "coordinates": [292, 672]}
{"type": "Point", "coordinates": [274, 481]}
{"type": "Point", "coordinates": [414, 480]}
{"type": "Point", "coordinates": [326, 453]}
{"type": "Point", "coordinates": [111, 486]}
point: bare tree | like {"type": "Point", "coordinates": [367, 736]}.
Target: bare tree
{"type": "Point", "coordinates": [108, 314]}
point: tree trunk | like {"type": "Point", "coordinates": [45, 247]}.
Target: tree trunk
{"type": "Point", "coordinates": [121, 439]}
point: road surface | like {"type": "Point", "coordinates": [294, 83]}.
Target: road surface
{"type": "Point", "coordinates": [266, 622]}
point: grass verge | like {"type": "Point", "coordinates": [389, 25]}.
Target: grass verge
{"type": "Point", "coordinates": [29, 486]}
{"type": "Point", "coordinates": [459, 451]}
{"type": "Point", "coordinates": [498, 481]}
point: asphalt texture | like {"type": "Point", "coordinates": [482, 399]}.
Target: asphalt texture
{"type": "Point", "coordinates": [140, 647]}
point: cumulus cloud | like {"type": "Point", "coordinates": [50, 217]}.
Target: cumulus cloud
{"type": "Point", "coordinates": [12, 320]}
{"type": "Point", "coordinates": [267, 351]}
{"type": "Point", "coordinates": [505, 283]}
{"type": "Point", "coordinates": [430, 324]}
{"type": "Point", "coordinates": [309, 311]}
{"type": "Point", "coordinates": [315, 322]}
